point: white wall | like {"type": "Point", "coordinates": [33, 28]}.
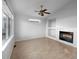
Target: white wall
{"type": "Point", "coordinates": [66, 20]}
{"type": "Point", "coordinates": [27, 30]}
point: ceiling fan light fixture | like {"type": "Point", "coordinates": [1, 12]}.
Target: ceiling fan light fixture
{"type": "Point", "coordinates": [42, 11]}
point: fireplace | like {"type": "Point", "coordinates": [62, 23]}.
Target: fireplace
{"type": "Point", "coordinates": [66, 36]}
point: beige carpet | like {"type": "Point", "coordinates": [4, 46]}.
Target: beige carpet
{"type": "Point", "coordinates": [43, 48]}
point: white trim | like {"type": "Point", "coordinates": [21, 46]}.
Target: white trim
{"type": "Point", "coordinates": [7, 42]}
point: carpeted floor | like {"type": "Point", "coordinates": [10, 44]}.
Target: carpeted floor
{"type": "Point", "coordinates": [43, 48]}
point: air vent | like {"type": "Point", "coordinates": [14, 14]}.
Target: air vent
{"type": "Point", "coordinates": [34, 20]}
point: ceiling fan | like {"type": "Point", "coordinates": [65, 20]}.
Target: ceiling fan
{"type": "Point", "coordinates": [42, 11]}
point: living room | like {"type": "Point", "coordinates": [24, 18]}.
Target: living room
{"type": "Point", "coordinates": [37, 29]}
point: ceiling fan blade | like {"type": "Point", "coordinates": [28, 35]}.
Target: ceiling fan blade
{"type": "Point", "coordinates": [44, 10]}
{"type": "Point", "coordinates": [47, 12]}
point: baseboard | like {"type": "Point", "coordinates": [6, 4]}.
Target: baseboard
{"type": "Point", "coordinates": [23, 39]}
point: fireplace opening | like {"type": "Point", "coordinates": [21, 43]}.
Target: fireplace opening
{"type": "Point", "coordinates": [66, 36]}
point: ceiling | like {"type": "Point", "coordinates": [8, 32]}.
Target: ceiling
{"type": "Point", "coordinates": [28, 7]}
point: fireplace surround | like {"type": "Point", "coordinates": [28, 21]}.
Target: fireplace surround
{"type": "Point", "coordinates": [66, 36]}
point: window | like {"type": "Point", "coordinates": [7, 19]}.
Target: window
{"type": "Point", "coordinates": [6, 27]}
